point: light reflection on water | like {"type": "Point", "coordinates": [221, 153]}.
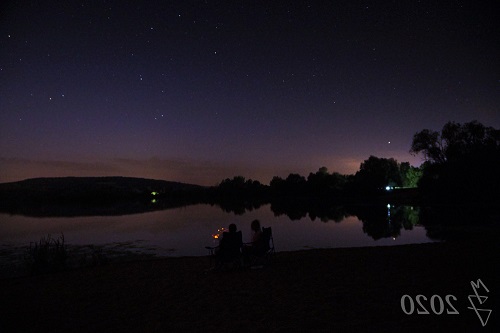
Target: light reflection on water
{"type": "Point", "coordinates": [186, 231]}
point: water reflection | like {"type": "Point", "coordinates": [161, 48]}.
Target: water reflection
{"type": "Point", "coordinates": [386, 222]}
{"type": "Point", "coordinates": [187, 230]}
{"type": "Point", "coordinates": [299, 209]}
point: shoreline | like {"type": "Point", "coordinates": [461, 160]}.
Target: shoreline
{"type": "Point", "coordinates": [13, 263]}
{"type": "Point", "coordinates": [357, 289]}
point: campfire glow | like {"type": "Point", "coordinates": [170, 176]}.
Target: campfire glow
{"type": "Point", "coordinates": [218, 234]}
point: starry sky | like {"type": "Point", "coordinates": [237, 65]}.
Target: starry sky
{"type": "Point", "coordinates": [199, 91]}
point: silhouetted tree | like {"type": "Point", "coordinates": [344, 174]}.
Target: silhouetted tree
{"type": "Point", "coordinates": [461, 162]}
{"type": "Point", "coordinates": [240, 187]}
{"type": "Point", "coordinates": [239, 195]}
{"type": "Point", "coordinates": [376, 173]}
{"type": "Point", "coordinates": [277, 186]}
{"type": "Point", "coordinates": [322, 183]}
{"type": "Point", "coordinates": [455, 142]}
{"type": "Point", "coordinates": [410, 175]}
{"type": "Point", "coordinates": [293, 185]}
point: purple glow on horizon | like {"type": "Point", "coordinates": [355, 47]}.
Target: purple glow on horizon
{"type": "Point", "coordinates": [198, 92]}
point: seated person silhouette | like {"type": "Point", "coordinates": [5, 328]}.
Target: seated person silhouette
{"type": "Point", "coordinates": [259, 244]}
{"type": "Point", "coordinates": [230, 245]}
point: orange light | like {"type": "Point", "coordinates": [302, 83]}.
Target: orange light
{"type": "Point", "coordinates": [219, 232]}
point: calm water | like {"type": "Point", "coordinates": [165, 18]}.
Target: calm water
{"type": "Point", "coordinates": [186, 231]}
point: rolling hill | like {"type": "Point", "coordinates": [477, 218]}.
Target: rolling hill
{"type": "Point", "coordinates": [71, 196]}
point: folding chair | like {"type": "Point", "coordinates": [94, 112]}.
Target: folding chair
{"type": "Point", "coordinates": [264, 252]}
{"type": "Point", "coordinates": [229, 251]}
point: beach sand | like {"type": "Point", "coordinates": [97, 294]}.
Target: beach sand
{"type": "Point", "coordinates": [323, 290]}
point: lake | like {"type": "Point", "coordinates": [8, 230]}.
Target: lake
{"type": "Point", "coordinates": [187, 230]}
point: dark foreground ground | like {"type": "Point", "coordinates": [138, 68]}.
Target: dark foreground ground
{"type": "Point", "coordinates": [355, 290]}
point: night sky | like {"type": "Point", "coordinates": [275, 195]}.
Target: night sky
{"type": "Point", "coordinates": [198, 91]}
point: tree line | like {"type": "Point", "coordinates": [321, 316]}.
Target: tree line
{"type": "Point", "coordinates": [460, 163]}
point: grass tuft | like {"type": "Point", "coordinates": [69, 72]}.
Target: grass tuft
{"type": "Point", "coordinates": [47, 255]}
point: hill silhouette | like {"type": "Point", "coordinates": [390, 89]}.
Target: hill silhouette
{"type": "Point", "coordinates": [81, 196]}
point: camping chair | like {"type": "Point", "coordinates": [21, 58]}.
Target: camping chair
{"type": "Point", "coordinates": [264, 252]}
{"type": "Point", "coordinates": [228, 252]}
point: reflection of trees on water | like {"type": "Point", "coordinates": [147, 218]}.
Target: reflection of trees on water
{"type": "Point", "coordinates": [294, 209]}
{"type": "Point", "coordinates": [239, 207]}
{"type": "Point", "coordinates": [408, 215]}
{"type": "Point", "coordinates": [330, 213]}
{"type": "Point", "coordinates": [298, 209]}
{"type": "Point", "coordinates": [386, 221]}
{"type": "Point", "coordinates": [379, 221]}
{"type": "Point", "coordinates": [460, 222]}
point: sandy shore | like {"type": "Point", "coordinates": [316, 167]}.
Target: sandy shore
{"type": "Point", "coordinates": [356, 290]}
